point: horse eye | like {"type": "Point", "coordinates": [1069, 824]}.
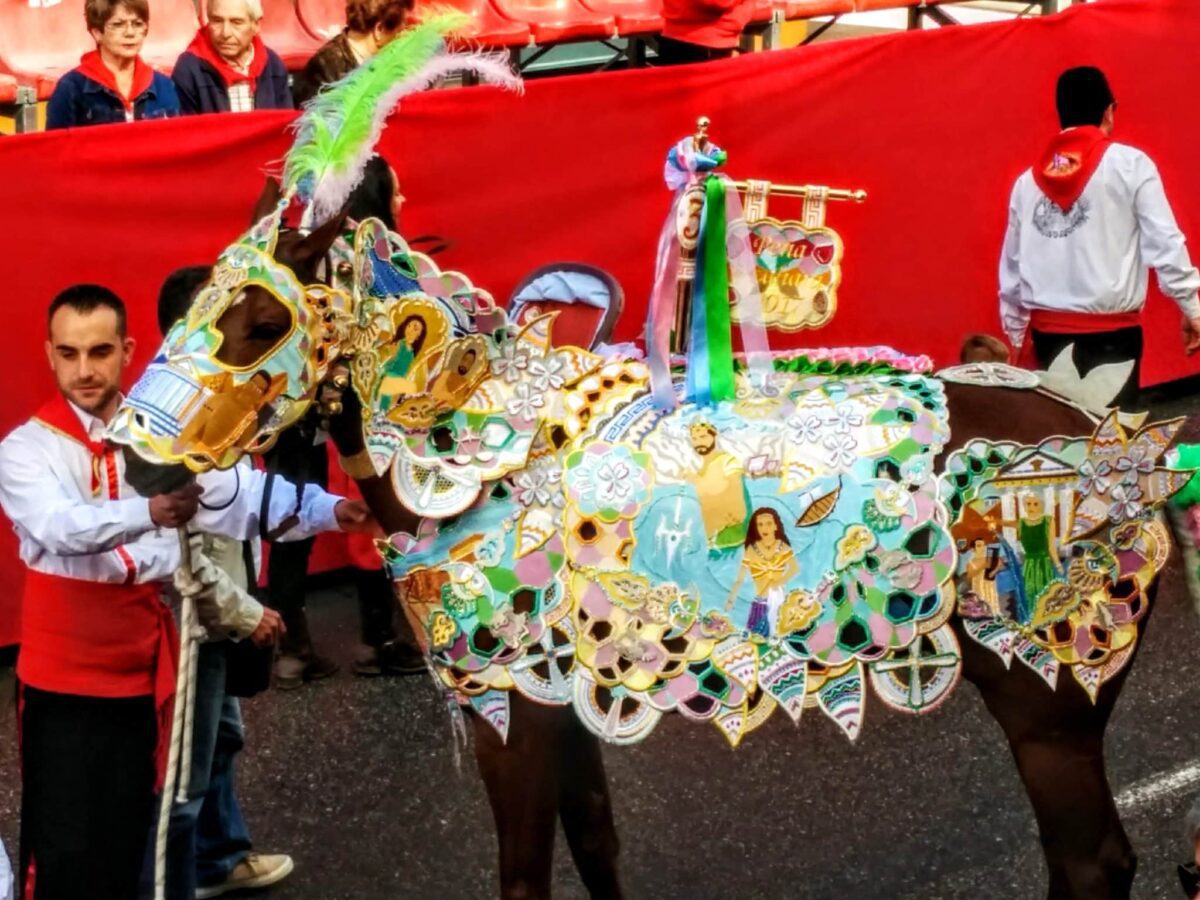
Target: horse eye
{"type": "Point", "coordinates": [266, 331]}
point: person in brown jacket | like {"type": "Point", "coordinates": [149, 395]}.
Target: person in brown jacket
{"type": "Point", "coordinates": [370, 25]}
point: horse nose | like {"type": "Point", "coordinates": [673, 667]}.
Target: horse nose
{"type": "Point", "coordinates": [151, 479]}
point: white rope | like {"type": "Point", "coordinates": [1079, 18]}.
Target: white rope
{"type": "Point", "coordinates": [184, 698]}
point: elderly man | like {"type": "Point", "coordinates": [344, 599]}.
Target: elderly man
{"type": "Point", "coordinates": [227, 68]}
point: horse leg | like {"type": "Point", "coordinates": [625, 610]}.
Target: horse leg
{"type": "Point", "coordinates": [521, 778]}
{"type": "Point", "coordinates": [586, 811]}
{"type": "Point", "coordinates": [1057, 740]}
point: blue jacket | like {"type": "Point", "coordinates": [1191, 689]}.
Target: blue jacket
{"type": "Point", "coordinates": [202, 90]}
{"type": "Point", "coordinates": [78, 100]}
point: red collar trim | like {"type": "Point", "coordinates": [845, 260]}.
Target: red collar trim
{"type": "Point", "coordinates": [202, 47]}
{"type": "Point", "coordinates": [94, 68]}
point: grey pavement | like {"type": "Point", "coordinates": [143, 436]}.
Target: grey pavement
{"type": "Point", "coordinates": [357, 780]}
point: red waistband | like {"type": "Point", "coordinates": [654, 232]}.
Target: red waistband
{"type": "Point", "coordinates": [1053, 321]}
{"type": "Point", "coordinates": [100, 640]}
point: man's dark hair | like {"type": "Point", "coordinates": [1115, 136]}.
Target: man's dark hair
{"type": "Point", "coordinates": [1082, 97]}
{"type": "Point", "coordinates": [177, 292]}
{"type": "Point", "coordinates": [373, 196]}
{"type": "Point", "coordinates": [86, 298]}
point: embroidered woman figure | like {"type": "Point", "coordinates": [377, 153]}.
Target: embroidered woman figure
{"type": "Point", "coordinates": [1035, 531]}
{"type": "Point", "coordinates": [397, 372]}
{"type": "Point", "coordinates": [770, 562]}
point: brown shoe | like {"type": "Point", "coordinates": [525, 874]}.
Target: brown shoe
{"type": "Point", "coordinates": [258, 870]}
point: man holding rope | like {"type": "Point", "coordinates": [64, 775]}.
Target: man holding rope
{"type": "Point", "coordinates": [98, 645]}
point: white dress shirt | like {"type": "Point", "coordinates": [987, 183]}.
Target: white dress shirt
{"type": "Point", "coordinates": [1094, 258]}
{"type": "Point", "coordinates": [45, 489]}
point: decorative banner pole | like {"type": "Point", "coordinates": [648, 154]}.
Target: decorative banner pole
{"type": "Point", "coordinates": [704, 260]}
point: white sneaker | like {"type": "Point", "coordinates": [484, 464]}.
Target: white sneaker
{"type": "Point", "coordinates": [258, 870]}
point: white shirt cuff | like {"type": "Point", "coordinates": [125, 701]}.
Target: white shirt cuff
{"type": "Point", "coordinates": [1190, 306]}
{"type": "Point", "coordinates": [322, 512]}
{"type": "Point", "coordinates": [135, 515]}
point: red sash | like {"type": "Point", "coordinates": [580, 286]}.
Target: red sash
{"type": "Point", "coordinates": [1052, 321]}
{"type": "Point", "coordinates": [98, 639]}
{"type": "Point", "coordinates": [1068, 164]}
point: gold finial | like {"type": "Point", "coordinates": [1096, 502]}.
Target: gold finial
{"type": "Point", "coordinates": [700, 138]}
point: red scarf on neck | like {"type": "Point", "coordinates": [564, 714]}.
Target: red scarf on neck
{"type": "Point", "coordinates": [1067, 165]}
{"type": "Point", "coordinates": [202, 46]}
{"type": "Point", "coordinates": [59, 415]}
{"type": "Point", "coordinates": [92, 66]}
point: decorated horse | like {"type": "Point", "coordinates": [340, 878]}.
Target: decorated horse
{"type": "Point", "coordinates": [586, 540]}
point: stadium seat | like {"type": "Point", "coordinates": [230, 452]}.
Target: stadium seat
{"type": "Point", "coordinates": [488, 28]}
{"type": "Point", "coordinates": [811, 9]}
{"type": "Point", "coordinates": [588, 301]}
{"type": "Point", "coordinates": [283, 33]}
{"type": "Point", "coordinates": [173, 24]}
{"type": "Point", "coordinates": [40, 44]}
{"type": "Point", "coordinates": [761, 13]}
{"type": "Point", "coordinates": [8, 89]}
{"type": "Point", "coordinates": [632, 16]}
{"type": "Point", "coordinates": [323, 19]}
{"type": "Point", "coordinates": [553, 21]}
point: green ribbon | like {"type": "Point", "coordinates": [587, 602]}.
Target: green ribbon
{"type": "Point", "coordinates": [716, 292]}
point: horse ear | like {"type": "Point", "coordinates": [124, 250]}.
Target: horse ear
{"type": "Point", "coordinates": [267, 201]}
{"type": "Point", "coordinates": [317, 242]}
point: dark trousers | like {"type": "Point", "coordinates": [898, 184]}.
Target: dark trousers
{"type": "Point", "coordinates": [678, 53]}
{"type": "Point", "coordinates": [87, 794]}
{"type": "Point", "coordinates": [1097, 349]}
{"type": "Point", "coordinates": [287, 567]}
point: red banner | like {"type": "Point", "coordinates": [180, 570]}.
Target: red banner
{"type": "Point", "coordinates": [935, 125]}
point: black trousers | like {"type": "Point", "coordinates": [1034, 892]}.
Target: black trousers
{"type": "Point", "coordinates": [1097, 349]}
{"type": "Point", "coordinates": [677, 53]}
{"type": "Point", "coordinates": [87, 794]}
{"type": "Point", "coordinates": [287, 567]}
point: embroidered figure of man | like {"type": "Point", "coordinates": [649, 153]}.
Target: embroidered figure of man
{"type": "Point", "coordinates": [720, 486]}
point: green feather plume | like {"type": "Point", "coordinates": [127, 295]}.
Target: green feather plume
{"type": "Point", "coordinates": [338, 130]}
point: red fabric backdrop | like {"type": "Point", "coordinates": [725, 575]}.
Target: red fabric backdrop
{"type": "Point", "coordinates": [934, 125]}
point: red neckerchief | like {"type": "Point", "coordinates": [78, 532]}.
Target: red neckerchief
{"type": "Point", "coordinates": [1067, 165]}
{"type": "Point", "coordinates": [202, 46]}
{"type": "Point", "coordinates": [94, 68]}
{"type": "Point", "coordinates": [58, 415]}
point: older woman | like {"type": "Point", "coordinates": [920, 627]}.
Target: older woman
{"type": "Point", "coordinates": [370, 25]}
{"type": "Point", "coordinates": [112, 83]}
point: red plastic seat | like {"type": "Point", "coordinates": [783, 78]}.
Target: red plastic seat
{"type": "Point", "coordinates": [869, 5]}
{"type": "Point", "coordinates": [282, 32]}
{"type": "Point", "coordinates": [8, 89]}
{"type": "Point", "coordinates": [811, 9]}
{"type": "Point", "coordinates": [632, 16]}
{"type": "Point", "coordinates": [583, 321]}
{"type": "Point", "coordinates": [323, 19]}
{"type": "Point", "coordinates": [40, 44]}
{"type": "Point", "coordinates": [488, 28]}
{"type": "Point", "coordinates": [173, 24]}
{"type": "Point", "coordinates": [552, 21]}
{"type": "Point", "coordinates": [762, 12]}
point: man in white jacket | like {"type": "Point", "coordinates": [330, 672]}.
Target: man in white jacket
{"type": "Point", "coordinates": [1084, 224]}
